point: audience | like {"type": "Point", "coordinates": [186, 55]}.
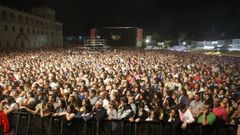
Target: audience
{"type": "Point", "coordinates": [133, 85]}
{"type": "Point", "coordinates": [207, 117]}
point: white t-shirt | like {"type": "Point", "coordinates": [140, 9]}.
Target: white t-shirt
{"type": "Point", "coordinates": [112, 114]}
{"type": "Point", "coordinates": [186, 116]}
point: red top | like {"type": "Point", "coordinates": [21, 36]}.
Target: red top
{"type": "Point", "coordinates": [220, 112]}
{"type": "Point", "coordinates": [4, 122]}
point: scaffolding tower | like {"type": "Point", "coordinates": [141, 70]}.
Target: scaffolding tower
{"type": "Point", "coordinates": [95, 44]}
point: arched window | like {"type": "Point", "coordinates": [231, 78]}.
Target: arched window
{"type": "Point", "coordinates": [37, 21]}
{"type": "Point", "coordinates": [4, 14]}
{"type": "Point", "coordinates": [33, 31]}
{"type": "Point", "coordinates": [20, 18]}
{"type": "Point", "coordinates": [21, 30]}
{"type": "Point", "coordinates": [41, 22]}
{"type": "Point", "coordinates": [12, 16]}
{"type": "Point", "coordinates": [32, 20]}
{"type": "Point", "coordinates": [26, 19]}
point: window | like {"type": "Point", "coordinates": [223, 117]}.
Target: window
{"type": "Point", "coordinates": [28, 31]}
{"type": "Point", "coordinates": [20, 18]}
{"type": "Point", "coordinates": [12, 16]}
{"type": "Point", "coordinates": [33, 31]}
{"type": "Point", "coordinates": [13, 28]}
{"type": "Point", "coordinates": [5, 27]}
{"type": "Point", "coordinates": [42, 32]}
{"type": "Point", "coordinates": [41, 22]}
{"type": "Point", "coordinates": [37, 21]}
{"type": "Point", "coordinates": [8, 44]}
{"type": "Point", "coordinates": [21, 30]}
{"type": "Point", "coordinates": [32, 20]}
{"type": "Point", "coordinates": [27, 19]}
{"type": "Point", "coordinates": [4, 14]}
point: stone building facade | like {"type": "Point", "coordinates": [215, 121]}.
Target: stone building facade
{"type": "Point", "coordinates": [38, 29]}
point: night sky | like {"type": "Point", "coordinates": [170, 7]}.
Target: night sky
{"type": "Point", "coordinates": [166, 17]}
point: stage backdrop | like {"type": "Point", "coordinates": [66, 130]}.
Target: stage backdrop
{"type": "Point", "coordinates": [121, 36]}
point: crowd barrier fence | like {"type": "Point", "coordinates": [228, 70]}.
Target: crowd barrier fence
{"type": "Point", "coordinates": [28, 124]}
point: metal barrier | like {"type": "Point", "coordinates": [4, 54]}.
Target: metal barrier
{"type": "Point", "coordinates": [28, 124]}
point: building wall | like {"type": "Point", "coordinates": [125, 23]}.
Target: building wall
{"type": "Point", "coordinates": [23, 30]}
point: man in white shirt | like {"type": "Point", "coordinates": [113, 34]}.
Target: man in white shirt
{"type": "Point", "coordinates": [102, 96]}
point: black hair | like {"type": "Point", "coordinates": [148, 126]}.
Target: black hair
{"type": "Point", "coordinates": [50, 107]}
{"type": "Point", "coordinates": [141, 105]}
{"type": "Point", "coordinates": [181, 106]}
{"type": "Point", "coordinates": [124, 99]}
{"type": "Point", "coordinates": [93, 91]}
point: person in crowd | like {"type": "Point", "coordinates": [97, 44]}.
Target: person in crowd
{"type": "Point", "coordinates": [99, 112]}
{"type": "Point", "coordinates": [220, 112]}
{"type": "Point", "coordinates": [85, 110]}
{"type": "Point", "coordinates": [174, 119]}
{"type": "Point", "coordinates": [111, 112]}
{"type": "Point", "coordinates": [93, 97]}
{"type": "Point", "coordinates": [7, 106]}
{"type": "Point", "coordinates": [124, 109]}
{"type": "Point", "coordinates": [141, 115]}
{"type": "Point", "coordinates": [153, 116]}
{"type": "Point", "coordinates": [183, 99]}
{"type": "Point", "coordinates": [169, 102]}
{"type": "Point", "coordinates": [30, 101]}
{"type": "Point", "coordinates": [103, 97]}
{"type": "Point", "coordinates": [61, 109]}
{"type": "Point", "coordinates": [207, 117]}
{"type": "Point", "coordinates": [196, 105]}
{"type": "Point", "coordinates": [185, 115]}
{"type": "Point", "coordinates": [235, 117]}
{"type": "Point", "coordinates": [70, 113]}
{"type": "Point", "coordinates": [131, 102]}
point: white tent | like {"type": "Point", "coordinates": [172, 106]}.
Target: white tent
{"type": "Point", "coordinates": [179, 48]}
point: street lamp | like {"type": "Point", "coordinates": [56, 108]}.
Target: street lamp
{"type": "Point", "coordinates": [147, 41]}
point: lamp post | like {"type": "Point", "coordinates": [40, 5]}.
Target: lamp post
{"type": "Point", "coordinates": [184, 43]}
{"type": "Point", "coordinates": [147, 41]}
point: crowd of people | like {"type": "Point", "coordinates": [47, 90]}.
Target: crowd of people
{"type": "Point", "coordinates": [131, 85]}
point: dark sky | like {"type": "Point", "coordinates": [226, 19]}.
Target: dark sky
{"type": "Point", "coordinates": [166, 17]}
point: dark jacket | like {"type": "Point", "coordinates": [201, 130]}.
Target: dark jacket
{"type": "Point", "coordinates": [99, 114]}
